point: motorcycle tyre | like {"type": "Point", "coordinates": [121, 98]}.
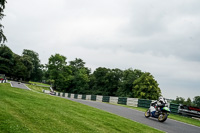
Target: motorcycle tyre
{"type": "Point", "coordinates": [147, 114]}
{"type": "Point", "coordinates": [164, 119]}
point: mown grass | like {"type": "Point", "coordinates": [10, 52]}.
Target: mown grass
{"type": "Point", "coordinates": [172, 116]}
{"type": "Point", "coordinates": [37, 88]}
{"type": "Point", "coordinates": [24, 111]}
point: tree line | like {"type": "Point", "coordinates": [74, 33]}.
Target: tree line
{"type": "Point", "coordinates": [75, 77]}
{"type": "Point", "coordinates": [2, 7]}
{"type": "Point", "coordinates": [26, 67]}
{"type": "Point", "coordinates": [188, 102]}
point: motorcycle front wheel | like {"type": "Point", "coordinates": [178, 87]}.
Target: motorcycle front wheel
{"type": "Point", "coordinates": [162, 117]}
{"type": "Point", "coordinates": [147, 113]}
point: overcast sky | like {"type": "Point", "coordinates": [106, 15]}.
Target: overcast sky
{"type": "Point", "coordinates": [160, 37]}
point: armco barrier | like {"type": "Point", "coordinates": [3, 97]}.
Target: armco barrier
{"type": "Point", "coordinates": [145, 103]}
{"type": "Point", "coordinates": [174, 108]}
{"type": "Point", "coordinates": [132, 102]}
{"type": "Point", "coordinates": [93, 97]}
{"type": "Point", "coordinates": [122, 100]}
{"type": "Point", "coordinates": [99, 98]}
{"type": "Point", "coordinates": [106, 99]}
{"type": "Point", "coordinates": [189, 111]}
{"type": "Point", "coordinates": [113, 100]}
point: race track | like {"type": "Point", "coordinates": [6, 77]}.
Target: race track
{"type": "Point", "coordinates": [18, 85]}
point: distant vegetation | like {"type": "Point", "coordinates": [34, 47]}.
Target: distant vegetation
{"type": "Point", "coordinates": [74, 77]}
{"type": "Point", "coordinates": [2, 7]}
{"type": "Point", "coordinates": [188, 102]}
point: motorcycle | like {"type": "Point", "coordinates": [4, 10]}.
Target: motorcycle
{"type": "Point", "coordinates": [161, 114]}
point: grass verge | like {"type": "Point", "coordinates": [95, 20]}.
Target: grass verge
{"type": "Point", "coordinates": [37, 88]}
{"type": "Point", "coordinates": [37, 83]}
{"type": "Point", "coordinates": [24, 111]}
{"type": "Point", "coordinates": [171, 116]}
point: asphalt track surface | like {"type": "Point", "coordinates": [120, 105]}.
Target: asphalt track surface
{"type": "Point", "coordinates": [169, 126]}
{"type": "Point", "coordinates": [18, 85]}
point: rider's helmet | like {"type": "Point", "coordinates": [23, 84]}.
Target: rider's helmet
{"type": "Point", "coordinates": [161, 99]}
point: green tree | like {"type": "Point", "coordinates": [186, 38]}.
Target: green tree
{"type": "Point", "coordinates": [26, 60]}
{"type": "Point", "coordinates": [59, 72]}
{"type": "Point", "coordinates": [6, 60]}
{"type": "Point", "coordinates": [36, 73]}
{"type": "Point", "coordinates": [197, 101]}
{"type": "Point", "coordinates": [99, 81]}
{"type": "Point", "coordinates": [179, 100]}
{"type": "Point", "coordinates": [146, 87]}
{"type": "Point", "coordinates": [2, 7]}
{"type": "Point", "coordinates": [79, 82]}
{"type": "Point", "coordinates": [22, 67]}
{"type": "Point", "coordinates": [78, 64]}
{"type": "Point", "coordinates": [80, 77]}
{"type": "Point", "coordinates": [105, 81]}
{"type": "Point", "coordinates": [126, 85]}
{"type": "Point", "coordinates": [188, 102]}
{"type": "Point", "coordinates": [113, 78]}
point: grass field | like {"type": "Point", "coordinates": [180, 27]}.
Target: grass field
{"type": "Point", "coordinates": [172, 116]}
{"type": "Point", "coordinates": [24, 111]}
{"type": "Point", "coordinates": [37, 83]}
{"type": "Point", "coordinates": [37, 88]}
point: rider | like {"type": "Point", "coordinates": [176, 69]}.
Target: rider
{"type": "Point", "coordinates": [161, 102]}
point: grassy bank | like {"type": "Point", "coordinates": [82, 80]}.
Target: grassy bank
{"type": "Point", "coordinates": [37, 88]}
{"type": "Point", "coordinates": [37, 83]}
{"type": "Point", "coordinates": [172, 116]}
{"type": "Point", "coordinates": [24, 111]}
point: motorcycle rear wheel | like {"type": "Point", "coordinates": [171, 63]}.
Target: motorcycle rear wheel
{"type": "Point", "coordinates": [162, 117]}
{"type": "Point", "coordinates": [147, 113]}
